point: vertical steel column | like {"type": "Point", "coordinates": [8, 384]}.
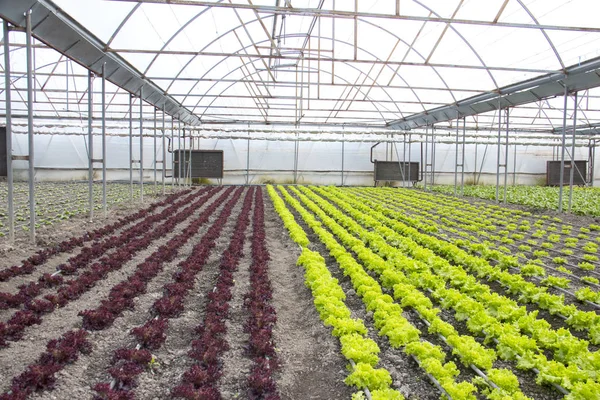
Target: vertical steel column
{"type": "Point", "coordinates": [506, 156]}
{"type": "Point", "coordinates": [562, 156]}
{"type": "Point", "coordinates": [593, 164]}
{"type": "Point", "coordinates": [172, 154]}
{"type": "Point", "coordinates": [426, 151]}
{"type": "Point", "coordinates": [498, 158]}
{"type": "Point", "coordinates": [131, 148]}
{"type": "Point", "coordinates": [185, 161]}
{"type": "Point", "coordinates": [296, 160]}
{"type": "Point", "coordinates": [403, 170]}
{"type": "Point", "coordinates": [475, 165]}
{"type": "Point", "coordinates": [572, 172]}
{"type": "Point", "coordinates": [104, 209]}
{"type": "Point", "coordinates": [462, 162]}
{"type": "Point", "coordinates": [248, 160]}
{"type": "Point", "coordinates": [432, 155]}
{"type": "Point", "coordinates": [409, 158]}
{"type": "Point", "coordinates": [91, 144]}
{"type": "Point", "coordinates": [142, 144]}
{"type": "Point", "coordinates": [456, 157]}
{"type": "Point", "coordinates": [179, 160]}
{"type": "Point", "coordinates": [164, 151]}
{"type": "Point", "coordinates": [9, 155]}
{"type": "Point", "coordinates": [515, 167]}
{"type": "Point", "coordinates": [343, 157]}
{"type": "Point", "coordinates": [190, 158]}
{"type": "Point", "coordinates": [155, 157]}
{"type": "Point", "coordinates": [30, 129]}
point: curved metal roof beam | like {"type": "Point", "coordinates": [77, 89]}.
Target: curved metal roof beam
{"type": "Point", "coordinates": [253, 73]}
{"type": "Point", "coordinates": [544, 33]}
{"type": "Point", "coordinates": [296, 35]}
{"type": "Point", "coordinates": [122, 24]}
{"type": "Point", "coordinates": [257, 20]}
{"type": "Point", "coordinates": [175, 35]}
{"type": "Point", "coordinates": [215, 40]}
{"type": "Point", "coordinates": [417, 53]}
{"type": "Point", "coordinates": [466, 42]}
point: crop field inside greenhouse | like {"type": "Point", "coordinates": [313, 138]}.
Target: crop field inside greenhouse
{"type": "Point", "coordinates": [382, 293]}
{"type": "Point", "coordinates": [299, 200]}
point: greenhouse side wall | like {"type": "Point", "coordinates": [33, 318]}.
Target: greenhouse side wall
{"type": "Point", "coordinates": [64, 158]}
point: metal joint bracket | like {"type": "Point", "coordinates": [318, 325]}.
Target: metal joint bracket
{"type": "Point", "coordinates": [98, 160]}
{"type": "Point", "coordinates": [20, 158]}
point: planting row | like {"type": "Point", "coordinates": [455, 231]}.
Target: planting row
{"type": "Point", "coordinates": [122, 295]}
{"type": "Point", "coordinates": [421, 270]}
{"type": "Point", "coordinates": [57, 202]}
{"type": "Point", "coordinates": [208, 348]}
{"type": "Point", "coordinates": [513, 243]}
{"type": "Point", "coordinates": [585, 200]}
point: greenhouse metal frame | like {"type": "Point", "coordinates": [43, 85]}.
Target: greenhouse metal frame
{"type": "Point", "coordinates": [403, 72]}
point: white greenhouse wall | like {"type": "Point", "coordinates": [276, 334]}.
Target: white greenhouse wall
{"type": "Point", "coordinates": [64, 157]}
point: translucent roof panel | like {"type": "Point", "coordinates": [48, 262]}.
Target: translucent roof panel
{"type": "Point", "coordinates": [363, 63]}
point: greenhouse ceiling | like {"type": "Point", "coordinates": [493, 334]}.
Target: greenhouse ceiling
{"type": "Point", "coordinates": [386, 64]}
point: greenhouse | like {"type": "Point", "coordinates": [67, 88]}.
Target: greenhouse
{"type": "Point", "coordinates": [294, 199]}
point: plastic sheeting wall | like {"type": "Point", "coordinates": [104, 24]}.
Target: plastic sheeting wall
{"type": "Point", "coordinates": [65, 158]}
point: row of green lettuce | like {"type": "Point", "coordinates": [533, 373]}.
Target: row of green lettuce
{"type": "Point", "coordinates": [518, 335]}
{"type": "Point", "coordinates": [328, 298]}
{"type": "Point", "coordinates": [480, 236]}
{"type": "Point", "coordinates": [585, 199]}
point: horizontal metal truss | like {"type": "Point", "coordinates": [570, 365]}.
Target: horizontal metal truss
{"type": "Point", "coordinates": [575, 78]}
{"type": "Point", "coordinates": [62, 33]}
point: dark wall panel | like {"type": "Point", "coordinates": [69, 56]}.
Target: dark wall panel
{"type": "Point", "coordinates": [553, 173]}
{"type": "Point", "coordinates": [396, 171]}
{"type": "Point", "coordinates": [205, 163]}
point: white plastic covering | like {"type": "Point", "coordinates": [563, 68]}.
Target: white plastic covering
{"type": "Point", "coordinates": [323, 65]}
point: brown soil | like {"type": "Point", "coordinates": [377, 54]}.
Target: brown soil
{"type": "Point", "coordinates": [311, 364]}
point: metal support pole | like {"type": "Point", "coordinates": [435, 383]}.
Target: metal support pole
{"type": "Point", "coordinates": [593, 164]}
{"type": "Point", "coordinates": [142, 144]}
{"type": "Point", "coordinates": [104, 140]}
{"type": "Point", "coordinates": [172, 154]}
{"type": "Point", "coordinates": [185, 161]}
{"type": "Point", "coordinates": [456, 158]}
{"type": "Point", "coordinates": [189, 167]}
{"type": "Point", "coordinates": [432, 155]}
{"type": "Point", "coordinates": [562, 156]}
{"type": "Point", "coordinates": [343, 157]}
{"type": "Point", "coordinates": [572, 171]}
{"type": "Point", "coordinates": [409, 158]}
{"type": "Point", "coordinates": [498, 157]}
{"type": "Point", "coordinates": [186, 164]}
{"type": "Point", "coordinates": [180, 161]}
{"type": "Point", "coordinates": [296, 160]}
{"type": "Point", "coordinates": [426, 151]}
{"type": "Point", "coordinates": [515, 167]}
{"type": "Point", "coordinates": [248, 160]}
{"type": "Point", "coordinates": [9, 171]}
{"type": "Point", "coordinates": [475, 167]}
{"type": "Point", "coordinates": [155, 158]}
{"type": "Point", "coordinates": [462, 162]}
{"type": "Point", "coordinates": [30, 130]}
{"type": "Point", "coordinates": [91, 144]}
{"type": "Point", "coordinates": [164, 151]}
{"type": "Point", "coordinates": [403, 170]}
{"type": "Point", "coordinates": [506, 156]}
{"type": "Point", "coordinates": [131, 148]}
